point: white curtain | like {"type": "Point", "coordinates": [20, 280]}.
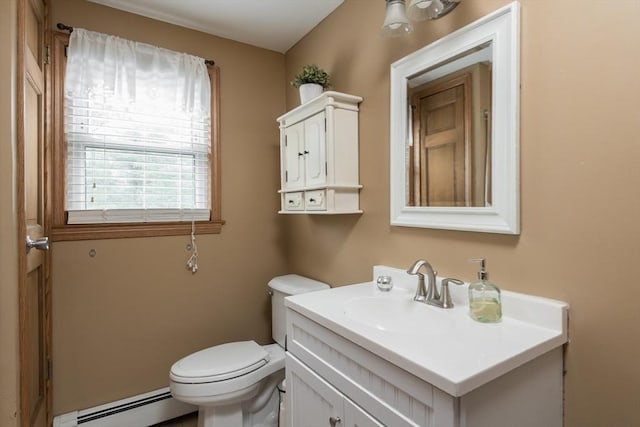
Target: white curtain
{"type": "Point", "coordinates": [137, 126]}
{"type": "Point", "coordinates": [138, 74]}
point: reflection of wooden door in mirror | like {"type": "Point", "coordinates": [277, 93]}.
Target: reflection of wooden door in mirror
{"type": "Point", "coordinates": [439, 161]}
{"type": "Point", "coordinates": [449, 161]}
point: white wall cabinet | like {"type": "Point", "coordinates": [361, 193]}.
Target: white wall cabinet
{"type": "Point", "coordinates": [330, 376]}
{"type": "Point", "coordinates": [319, 156]}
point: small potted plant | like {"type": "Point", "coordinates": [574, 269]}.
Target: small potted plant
{"type": "Point", "coordinates": [311, 81]}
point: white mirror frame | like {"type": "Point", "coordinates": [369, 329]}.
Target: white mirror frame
{"type": "Point", "coordinates": [502, 29]}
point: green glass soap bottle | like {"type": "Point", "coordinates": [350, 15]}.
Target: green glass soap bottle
{"type": "Point", "coordinates": [484, 298]}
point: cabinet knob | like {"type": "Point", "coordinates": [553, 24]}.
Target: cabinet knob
{"type": "Point", "coordinates": [312, 200]}
{"type": "Point", "coordinates": [306, 152]}
{"type": "Point", "coordinates": [300, 154]}
{"type": "Point", "coordinates": [333, 421]}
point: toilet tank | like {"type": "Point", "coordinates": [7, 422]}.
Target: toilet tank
{"type": "Point", "coordinates": [281, 287]}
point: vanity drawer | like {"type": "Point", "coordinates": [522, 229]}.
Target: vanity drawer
{"type": "Point", "coordinates": [294, 201]}
{"type": "Point", "coordinates": [315, 200]}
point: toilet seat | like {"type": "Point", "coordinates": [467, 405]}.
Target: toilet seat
{"type": "Point", "coordinates": [219, 363]}
{"type": "Point", "coordinates": [197, 391]}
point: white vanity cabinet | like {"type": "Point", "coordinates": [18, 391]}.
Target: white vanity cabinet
{"type": "Point", "coordinates": [331, 377]}
{"type": "Point", "coordinates": [319, 156]}
{"type": "Point", "coordinates": [318, 404]}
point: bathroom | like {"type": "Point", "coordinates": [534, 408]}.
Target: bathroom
{"type": "Point", "coordinates": [123, 316]}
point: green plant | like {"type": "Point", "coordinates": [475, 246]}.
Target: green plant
{"type": "Point", "coordinates": [311, 74]}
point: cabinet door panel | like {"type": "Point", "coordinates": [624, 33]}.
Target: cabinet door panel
{"type": "Point", "coordinates": [357, 417]}
{"type": "Point", "coordinates": [293, 157]}
{"type": "Point", "coordinates": [311, 400]}
{"type": "Point", "coordinates": [315, 150]}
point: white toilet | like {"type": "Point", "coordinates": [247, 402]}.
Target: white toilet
{"type": "Point", "coordinates": [236, 384]}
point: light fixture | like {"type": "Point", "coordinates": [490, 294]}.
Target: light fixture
{"type": "Point", "coordinates": [417, 9]}
{"type": "Point", "coordinates": [396, 23]}
{"type": "Point", "coordinates": [420, 10]}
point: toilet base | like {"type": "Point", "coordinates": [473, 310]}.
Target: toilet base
{"type": "Point", "coordinates": [261, 411]}
{"type": "Point", "coordinates": [214, 416]}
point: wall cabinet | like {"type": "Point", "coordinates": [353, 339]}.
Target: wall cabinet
{"type": "Point", "coordinates": [319, 156]}
{"type": "Point", "coordinates": [330, 377]}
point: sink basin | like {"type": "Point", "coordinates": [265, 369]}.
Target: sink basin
{"type": "Point", "coordinates": [385, 314]}
{"type": "Point", "coordinates": [396, 314]}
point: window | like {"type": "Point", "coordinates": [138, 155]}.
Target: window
{"type": "Point", "coordinates": [132, 159]}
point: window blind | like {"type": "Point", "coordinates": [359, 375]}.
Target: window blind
{"type": "Point", "coordinates": [137, 139]}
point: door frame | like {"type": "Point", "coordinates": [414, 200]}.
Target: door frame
{"type": "Point", "coordinates": [9, 359]}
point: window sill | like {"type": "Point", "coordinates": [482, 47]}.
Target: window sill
{"type": "Point", "coordinates": [123, 231]}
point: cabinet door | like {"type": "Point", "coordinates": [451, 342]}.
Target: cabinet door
{"type": "Point", "coordinates": [311, 402]}
{"type": "Point", "coordinates": [314, 402]}
{"type": "Point", "coordinates": [293, 157]}
{"type": "Point", "coordinates": [315, 150]}
{"type": "Point", "coordinates": [357, 417]}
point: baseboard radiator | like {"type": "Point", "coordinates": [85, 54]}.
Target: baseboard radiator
{"type": "Point", "coordinates": [142, 410]}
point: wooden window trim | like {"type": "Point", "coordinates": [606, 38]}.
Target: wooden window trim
{"type": "Point", "coordinates": [60, 230]}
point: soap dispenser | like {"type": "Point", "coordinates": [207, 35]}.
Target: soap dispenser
{"type": "Point", "coordinates": [484, 298]}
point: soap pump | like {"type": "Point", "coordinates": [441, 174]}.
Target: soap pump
{"type": "Point", "coordinates": [484, 298]}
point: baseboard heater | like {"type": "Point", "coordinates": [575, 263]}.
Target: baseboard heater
{"type": "Point", "coordinates": [142, 410]}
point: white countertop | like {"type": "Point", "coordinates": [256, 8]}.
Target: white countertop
{"type": "Point", "coordinates": [445, 347]}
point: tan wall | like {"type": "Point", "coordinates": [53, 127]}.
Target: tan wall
{"type": "Point", "coordinates": [580, 168]}
{"type": "Point", "coordinates": [8, 221]}
{"type": "Point", "coordinates": [122, 318]}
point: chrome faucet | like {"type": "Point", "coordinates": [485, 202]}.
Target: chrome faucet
{"type": "Point", "coordinates": [424, 292]}
{"type": "Point", "coordinates": [428, 293]}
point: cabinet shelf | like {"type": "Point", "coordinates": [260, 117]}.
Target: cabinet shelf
{"type": "Point", "coordinates": [322, 212]}
{"type": "Point", "coordinates": [320, 187]}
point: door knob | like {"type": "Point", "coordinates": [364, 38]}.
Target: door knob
{"type": "Point", "coordinates": [334, 421]}
{"type": "Point", "coordinates": [41, 244]}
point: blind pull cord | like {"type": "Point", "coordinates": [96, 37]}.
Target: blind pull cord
{"type": "Point", "coordinates": [192, 263]}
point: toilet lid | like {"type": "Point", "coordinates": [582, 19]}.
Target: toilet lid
{"type": "Point", "coordinates": [220, 363]}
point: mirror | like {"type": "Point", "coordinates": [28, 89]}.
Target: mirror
{"type": "Point", "coordinates": [454, 129]}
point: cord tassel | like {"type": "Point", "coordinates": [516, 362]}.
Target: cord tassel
{"type": "Point", "coordinates": [192, 263]}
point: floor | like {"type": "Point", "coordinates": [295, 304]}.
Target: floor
{"type": "Point", "coordinates": [189, 420]}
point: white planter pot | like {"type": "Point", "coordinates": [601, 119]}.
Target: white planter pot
{"type": "Point", "coordinates": [308, 91]}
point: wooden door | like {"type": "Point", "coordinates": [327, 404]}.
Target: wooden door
{"type": "Point", "coordinates": [440, 159]}
{"type": "Point", "coordinates": [34, 294]}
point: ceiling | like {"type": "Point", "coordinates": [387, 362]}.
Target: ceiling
{"type": "Point", "coordinates": [271, 24]}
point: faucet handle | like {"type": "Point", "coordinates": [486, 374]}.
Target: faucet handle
{"type": "Point", "coordinates": [445, 296]}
